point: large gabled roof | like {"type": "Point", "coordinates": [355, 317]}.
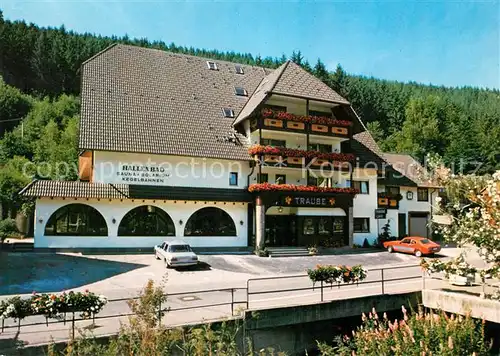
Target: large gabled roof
{"type": "Point", "coordinates": [151, 101]}
{"type": "Point", "coordinates": [409, 167]}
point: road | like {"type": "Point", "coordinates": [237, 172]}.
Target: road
{"type": "Point", "coordinates": [194, 306]}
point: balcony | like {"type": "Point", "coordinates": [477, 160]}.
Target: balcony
{"type": "Point", "coordinates": [388, 201]}
{"type": "Point", "coordinates": [315, 125]}
{"type": "Point", "coordinates": [294, 158]}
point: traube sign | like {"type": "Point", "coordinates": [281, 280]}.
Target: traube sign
{"type": "Point", "coordinates": [307, 201]}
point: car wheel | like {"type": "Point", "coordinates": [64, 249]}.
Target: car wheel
{"type": "Point", "coordinates": [156, 256]}
{"type": "Point", "coordinates": [418, 253]}
{"type": "Point", "coordinates": [167, 264]}
{"type": "Point", "coordinates": [390, 249]}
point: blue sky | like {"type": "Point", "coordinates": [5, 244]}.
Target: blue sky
{"type": "Point", "coordinates": [451, 43]}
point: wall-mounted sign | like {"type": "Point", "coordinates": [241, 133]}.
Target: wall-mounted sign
{"type": "Point", "coordinates": [380, 213]}
{"type": "Point", "coordinates": [409, 195]}
{"type": "Point", "coordinates": [136, 174]}
{"type": "Point", "coordinates": [307, 201]}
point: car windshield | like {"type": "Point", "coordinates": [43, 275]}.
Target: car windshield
{"type": "Point", "coordinates": [180, 248]}
{"type": "Point", "coordinates": [425, 241]}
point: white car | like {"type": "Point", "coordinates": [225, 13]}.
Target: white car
{"type": "Point", "coordinates": [176, 254]}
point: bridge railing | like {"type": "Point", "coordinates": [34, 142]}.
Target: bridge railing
{"type": "Point", "coordinates": [379, 278]}
{"type": "Point", "coordinates": [229, 302]}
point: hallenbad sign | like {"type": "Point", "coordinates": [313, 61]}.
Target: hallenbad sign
{"type": "Point", "coordinates": [130, 174]}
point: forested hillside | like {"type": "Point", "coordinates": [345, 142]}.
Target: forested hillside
{"type": "Point", "coordinates": [41, 81]}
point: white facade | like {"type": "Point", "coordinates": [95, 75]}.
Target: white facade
{"type": "Point", "coordinates": [115, 210]}
{"type": "Point", "coordinates": [178, 171]}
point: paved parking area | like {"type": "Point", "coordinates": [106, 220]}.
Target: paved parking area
{"type": "Point", "coordinates": [121, 275]}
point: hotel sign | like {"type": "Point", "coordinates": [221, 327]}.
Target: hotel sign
{"type": "Point", "coordinates": [142, 174]}
{"type": "Point", "coordinates": [308, 201]}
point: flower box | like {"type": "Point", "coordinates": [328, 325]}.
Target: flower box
{"type": "Point", "coordinates": [393, 202]}
{"type": "Point", "coordinates": [457, 280]}
{"type": "Point", "coordinates": [383, 201]}
{"type": "Point", "coordinates": [319, 128]}
{"type": "Point", "coordinates": [273, 122]}
{"type": "Point", "coordinates": [319, 162]}
{"type": "Point", "coordinates": [269, 158]}
{"type": "Point", "coordinates": [269, 187]}
{"type": "Point", "coordinates": [295, 160]}
{"type": "Point", "coordinates": [294, 125]}
{"type": "Point", "coordinates": [340, 130]}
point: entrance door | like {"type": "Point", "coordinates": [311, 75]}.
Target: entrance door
{"type": "Point", "coordinates": [418, 224]}
{"type": "Point", "coordinates": [401, 225]}
{"type": "Point", "coordinates": [281, 230]}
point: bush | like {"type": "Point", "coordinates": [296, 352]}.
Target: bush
{"type": "Point", "coordinates": [8, 228]}
{"type": "Point", "coordinates": [419, 333]}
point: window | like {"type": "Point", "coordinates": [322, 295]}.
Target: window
{"type": "Point", "coordinates": [405, 241]}
{"type": "Point", "coordinates": [320, 113]}
{"type": "Point", "coordinates": [180, 248]}
{"type": "Point", "coordinates": [262, 178]}
{"type": "Point", "coordinates": [320, 182]}
{"type": "Point", "coordinates": [322, 225]}
{"type": "Point", "coordinates": [392, 190]}
{"type": "Point", "coordinates": [361, 224]}
{"type": "Point", "coordinates": [312, 181]}
{"type": "Point", "coordinates": [228, 112]}
{"type": "Point", "coordinates": [210, 222]}
{"type": "Point", "coordinates": [272, 142]}
{"type": "Point", "coordinates": [212, 65]}
{"type": "Point", "coordinates": [323, 148]}
{"type": "Point", "coordinates": [422, 194]}
{"type": "Point", "coordinates": [360, 185]}
{"type": "Point", "coordinates": [280, 179]}
{"type": "Point", "coordinates": [233, 178]}
{"type": "Point", "coordinates": [275, 108]}
{"type": "Point", "coordinates": [146, 220]}
{"type": "Point", "coordinates": [240, 91]}
{"type": "Point", "coordinates": [238, 69]}
{"type": "Point", "coordinates": [76, 220]}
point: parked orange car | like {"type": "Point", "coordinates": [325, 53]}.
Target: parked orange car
{"type": "Point", "coordinates": [416, 245]}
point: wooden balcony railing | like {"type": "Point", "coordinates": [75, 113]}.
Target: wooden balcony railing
{"type": "Point", "coordinates": [317, 125]}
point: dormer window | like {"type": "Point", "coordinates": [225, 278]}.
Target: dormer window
{"type": "Point", "coordinates": [239, 69]}
{"type": "Point", "coordinates": [212, 65]}
{"type": "Point", "coordinates": [228, 112]}
{"type": "Point", "coordinates": [240, 91]}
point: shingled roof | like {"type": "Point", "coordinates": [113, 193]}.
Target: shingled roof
{"type": "Point", "coordinates": [290, 79]}
{"type": "Point", "coordinates": [88, 190]}
{"type": "Point", "coordinates": [411, 168]}
{"type": "Point", "coordinates": [151, 101]}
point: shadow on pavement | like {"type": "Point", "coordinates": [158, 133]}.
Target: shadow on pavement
{"type": "Point", "coordinates": [22, 273]}
{"type": "Point", "coordinates": [201, 266]}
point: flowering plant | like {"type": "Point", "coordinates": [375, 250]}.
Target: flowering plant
{"type": "Point", "coordinates": [416, 333]}
{"type": "Point", "coordinates": [457, 266]}
{"type": "Point", "coordinates": [291, 152]}
{"type": "Point", "coordinates": [15, 307]}
{"type": "Point", "coordinates": [337, 274]}
{"type": "Point", "coordinates": [322, 120]}
{"type": "Point", "coordinates": [51, 305]}
{"type": "Point", "coordinates": [269, 187]}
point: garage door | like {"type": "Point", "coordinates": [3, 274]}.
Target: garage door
{"type": "Point", "coordinates": [418, 224]}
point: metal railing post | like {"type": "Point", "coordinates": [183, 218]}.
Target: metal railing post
{"type": "Point", "coordinates": [321, 290]}
{"type": "Point", "coordinates": [382, 273]}
{"type": "Point", "coordinates": [3, 324]}
{"type": "Point", "coordinates": [73, 327]}
{"type": "Point", "coordinates": [232, 301]}
{"type": "Point", "coordinates": [423, 280]}
{"type": "Point", "coordinates": [248, 294]}
{"type": "Point", "coordinates": [159, 314]}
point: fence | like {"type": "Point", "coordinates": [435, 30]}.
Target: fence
{"type": "Point", "coordinates": [223, 303]}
